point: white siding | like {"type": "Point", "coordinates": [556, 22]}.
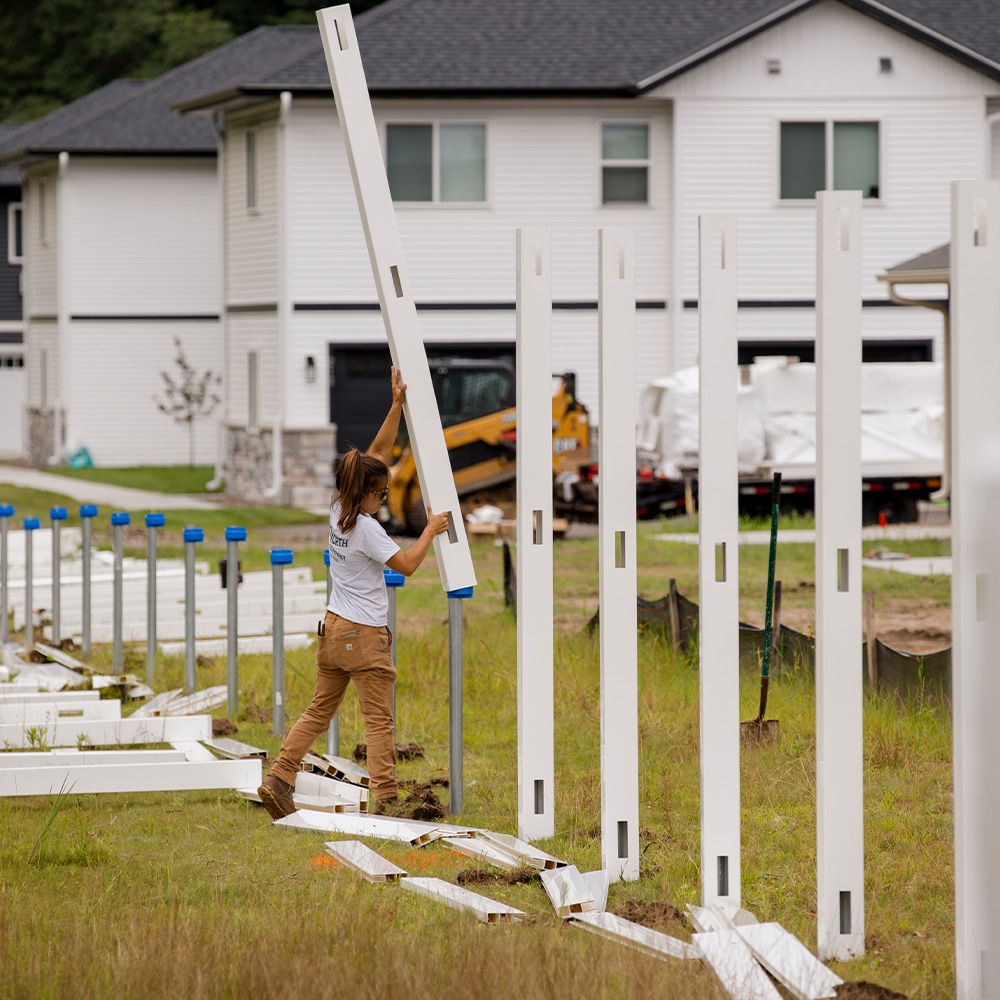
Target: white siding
{"type": "Point", "coordinates": [41, 335]}
{"type": "Point", "coordinates": [248, 332]}
{"type": "Point", "coordinates": [251, 234]}
{"type": "Point", "coordinates": [41, 275]}
{"type": "Point", "coordinates": [116, 377]}
{"type": "Point", "coordinates": [142, 237]}
{"type": "Point", "coordinates": [13, 396]}
{"type": "Point", "coordinates": [995, 151]}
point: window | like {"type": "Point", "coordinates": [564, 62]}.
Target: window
{"type": "Point", "coordinates": [816, 156]}
{"type": "Point", "coordinates": [466, 394]}
{"type": "Point", "coordinates": [11, 361]}
{"type": "Point", "coordinates": [15, 235]}
{"type": "Point", "coordinates": [436, 162]}
{"type": "Point", "coordinates": [253, 390]}
{"type": "Point", "coordinates": [43, 235]}
{"type": "Point", "coordinates": [624, 163]}
{"type": "Point", "coordinates": [251, 169]}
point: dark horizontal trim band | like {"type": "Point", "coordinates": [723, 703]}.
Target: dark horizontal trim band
{"type": "Point", "coordinates": [807, 303]}
{"type": "Point", "coordinates": [456, 306]}
{"type": "Point", "coordinates": [11, 337]}
{"type": "Point", "coordinates": [259, 307]}
{"type": "Point", "coordinates": [198, 154]}
{"type": "Point", "coordinates": [44, 318]}
{"type": "Point", "coordinates": [144, 317]}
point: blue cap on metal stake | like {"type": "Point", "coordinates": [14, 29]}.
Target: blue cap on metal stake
{"type": "Point", "coordinates": [58, 514]}
{"type": "Point", "coordinates": [31, 524]}
{"type": "Point", "coordinates": [194, 535]}
{"type": "Point", "coordinates": [155, 520]}
{"type": "Point", "coordinates": [88, 510]}
{"type": "Point", "coordinates": [281, 557]}
{"type": "Point", "coordinates": [7, 510]}
{"type": "Point", "coordinates": [392, 578]}
{"type": "Point", "coordinates": [120, 518]}
{"type": "Point", "coordinates": [326, 557]}
{"type": "Point", "coordinates": [236, 534]}
{"type": "Point", "coordinates": [462, 593]}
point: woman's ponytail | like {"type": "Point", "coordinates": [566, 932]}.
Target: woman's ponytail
{"type": "Point", "coordinates": [358, 474]}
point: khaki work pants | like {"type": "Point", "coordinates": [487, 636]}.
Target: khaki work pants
{"type": "Point", "coordinates": [348, 651]}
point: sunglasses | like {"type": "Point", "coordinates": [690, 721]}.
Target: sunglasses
{"type": "Point", "coordinates": [381, 494]}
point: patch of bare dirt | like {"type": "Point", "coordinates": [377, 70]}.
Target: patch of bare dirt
{"type": "Point", "coordinates": [486, 876]}
{"type": "Point", "coordinates": [418, 800]}
{"type": "Point", "coordinates": [404, 751]}
{"type": "Point", "coordinates": [256, 713]}
{"type": "Point", "coordinates": [657, 914]}
{"type": "Point", "coordinates": [223, 727]}
{"type": "Point", "coordinates": [862, 990]}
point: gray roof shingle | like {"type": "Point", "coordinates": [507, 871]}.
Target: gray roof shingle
{"type": "Point", "coordinates": [933, 261]}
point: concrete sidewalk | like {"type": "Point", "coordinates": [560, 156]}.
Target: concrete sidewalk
{"type": "Point", "coordinates": [102, 494]}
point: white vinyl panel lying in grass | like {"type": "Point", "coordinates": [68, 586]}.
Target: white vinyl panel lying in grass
{"type": "Point", "coordinates": [362, 859]}
{"type": "Point", "coordinates": [489, 911]}
{"type": "Point", "coordinates": [644, 939]}
{"type": "Point", "coordinates": [733, 963]}
{"type": "Point", "coordinates": [47, 712]}
{"type": "Point", "coordinates": [105, 733]}
{"type": "Point", "coordinates": [790, 962]}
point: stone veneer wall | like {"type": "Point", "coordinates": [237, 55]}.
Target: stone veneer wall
{"type": "Point", "coordinates": [41, 435]}
{"type": "Point", "coordinates": [307, 463]}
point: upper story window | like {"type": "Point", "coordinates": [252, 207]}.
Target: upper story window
{"type": "Point", "coordinates": [625, 163]}
{"type": "Point", "coordinates": [250, 161]}
{"type": "Point", "coordinates": [436, 161]}
{"type": "Point", "coordinates": [43, 222]}
{"type": "Point", "coordinates": [15, 233]}
{"type": "Point", "coordinates": [817, 156]}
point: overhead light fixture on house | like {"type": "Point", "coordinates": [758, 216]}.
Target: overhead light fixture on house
{"type": "Point", "coordinates": [310, 369]}
{"type": "Point", "coordinates": [885, 64]}
{"type": "Point", "coordinates": [773, 67]}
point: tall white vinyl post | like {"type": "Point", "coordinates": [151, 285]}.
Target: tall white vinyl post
{"type": "Point", "coordinates": [718, 572]}
{"type": "Point", "coordinates": [840, 848]}
{"type": "Point", "coordinates": [975, 366]}
{"type": "Point", "coordinates": [535, 698]}
{"type": "Point", "coordinates": [399, 311]}
{"type": "Point", "coordinates": [617, 562]}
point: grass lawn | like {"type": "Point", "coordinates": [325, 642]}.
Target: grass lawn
{"type": "Point", "coordinates": [195, 893]}
{"type": "Point", "coordinates": [160, 478]}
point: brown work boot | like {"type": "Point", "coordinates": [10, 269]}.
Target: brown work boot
{"type": "Point", "coordinates": [276, 796]}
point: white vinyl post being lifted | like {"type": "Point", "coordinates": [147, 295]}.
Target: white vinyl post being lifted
{"type": "Point", "coordinates": [718, 574]}
{"type": "Point", "coordinates": [618, 592]}
{"type": "Point", "coordinates": [399, 312]}
{"type": "Point", "coordinates": [840, 848]}
{"type": "Point", "coordinates": [535, 700]}
{"type": "Point", "coordinates": [975, 422]}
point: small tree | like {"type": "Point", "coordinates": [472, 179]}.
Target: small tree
{"type": "Point", "coordinates": [189, 395]}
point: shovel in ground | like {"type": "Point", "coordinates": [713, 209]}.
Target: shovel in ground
{"type": "Point", "coordinates": [761, 730]}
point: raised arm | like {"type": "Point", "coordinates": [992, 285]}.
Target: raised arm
{"type": "Point", "coordinates": [381, 447]}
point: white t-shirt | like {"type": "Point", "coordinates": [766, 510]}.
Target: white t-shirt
{"type": "Point", "coordinates": [356, 561]}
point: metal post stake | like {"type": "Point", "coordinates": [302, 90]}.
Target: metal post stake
{"type": "Point", "coordinates": [118, 521]}
{"type": "Point", "coordinates": [153, 521]}
{"type": "Point", "coordinates": [455, 734]}
{"type": "Point", "coordinates": [234, 536]}
{"type": "Point", "coordinates": [280, 558]}
{"type": "Point", "coordinates": [6, 511]}
{"type": "Point", "coordinates": [393, 581]}
{"type": "Point", "coordinates": [192, 536]}
{"type": "Point", "coordinates": [87, 514]}
{"type": "Point", "coordinates": [333, 730]}
{"type": "Point", "coordinates": [57, 516]}
{"type": "Point", "coordinates": [31, 524]}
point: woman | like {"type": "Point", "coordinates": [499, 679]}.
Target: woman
{"type": "Point", "coordinates": [355, 642]}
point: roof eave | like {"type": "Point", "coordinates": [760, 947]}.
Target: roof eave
{"type": "Point", "coordinates": [935, 276]}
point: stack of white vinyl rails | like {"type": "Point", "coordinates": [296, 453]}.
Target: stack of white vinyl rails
{"type": "Point", "coordinates": [975, 423]}
{"type": "Point", "coordinates": [840, 880]}
{"type": "Point", "coordinates": [399, 311]}
{"type": "Point", "coordinates": [718, 632]}
{"type": "Point", "coordinates": [617, 547]}
{"type": "Point", "coordinates": [535, 698]}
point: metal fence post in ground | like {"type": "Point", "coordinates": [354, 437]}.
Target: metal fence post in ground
{"type": "Point", "coordinates": [31, 524]}
{"type": "Point", "coordinates": [118, 521]}
{"type": "Point", "coordinates": [192, 536]}
{"type": "Point", "coordinates": [57, 516]}
{"type": "Point", "coordinates": [280, 558]}
{"type": "Point", "coordinates": [393, 581]}
{"type": "Point", "coordinates": [153, 521]}
{"type": "Point", "coordinates": [234, 535]}
{"type": "Point", "coordinates": [6, 511]}
{"type": "Point", "coordinates": [87, 514]}
{"type": "Point", "coordinates": [455, 734]}
{"type": "Point", "coordinates": [333, 730]}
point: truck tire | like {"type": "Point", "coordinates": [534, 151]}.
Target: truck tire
{"type": "Point", "coordinates": [416, 513]}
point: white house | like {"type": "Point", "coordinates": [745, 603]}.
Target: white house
{"type": "Point", "coordinates": [12, 381]}
{"type": "Point", "coordinates": [575, 114]}
{"type": "Point", "coordinates": [121, 232]}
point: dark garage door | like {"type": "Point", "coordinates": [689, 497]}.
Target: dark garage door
{"type": "Point", "coordinates": [359, 384]}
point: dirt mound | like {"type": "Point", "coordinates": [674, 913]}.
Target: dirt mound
{"type": "Point", "coordinates": [867, 991]}
{"type": "Point", "coordinates": [484, 876]}
{"type": "Point", "coordinates": [404, 751]}
{"type": "Point", "coordinates": [223, 727]}
{"type": "Point", "coordinates": [657, 914]}
{"type": "Point", "coordinates": [256, 713]}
